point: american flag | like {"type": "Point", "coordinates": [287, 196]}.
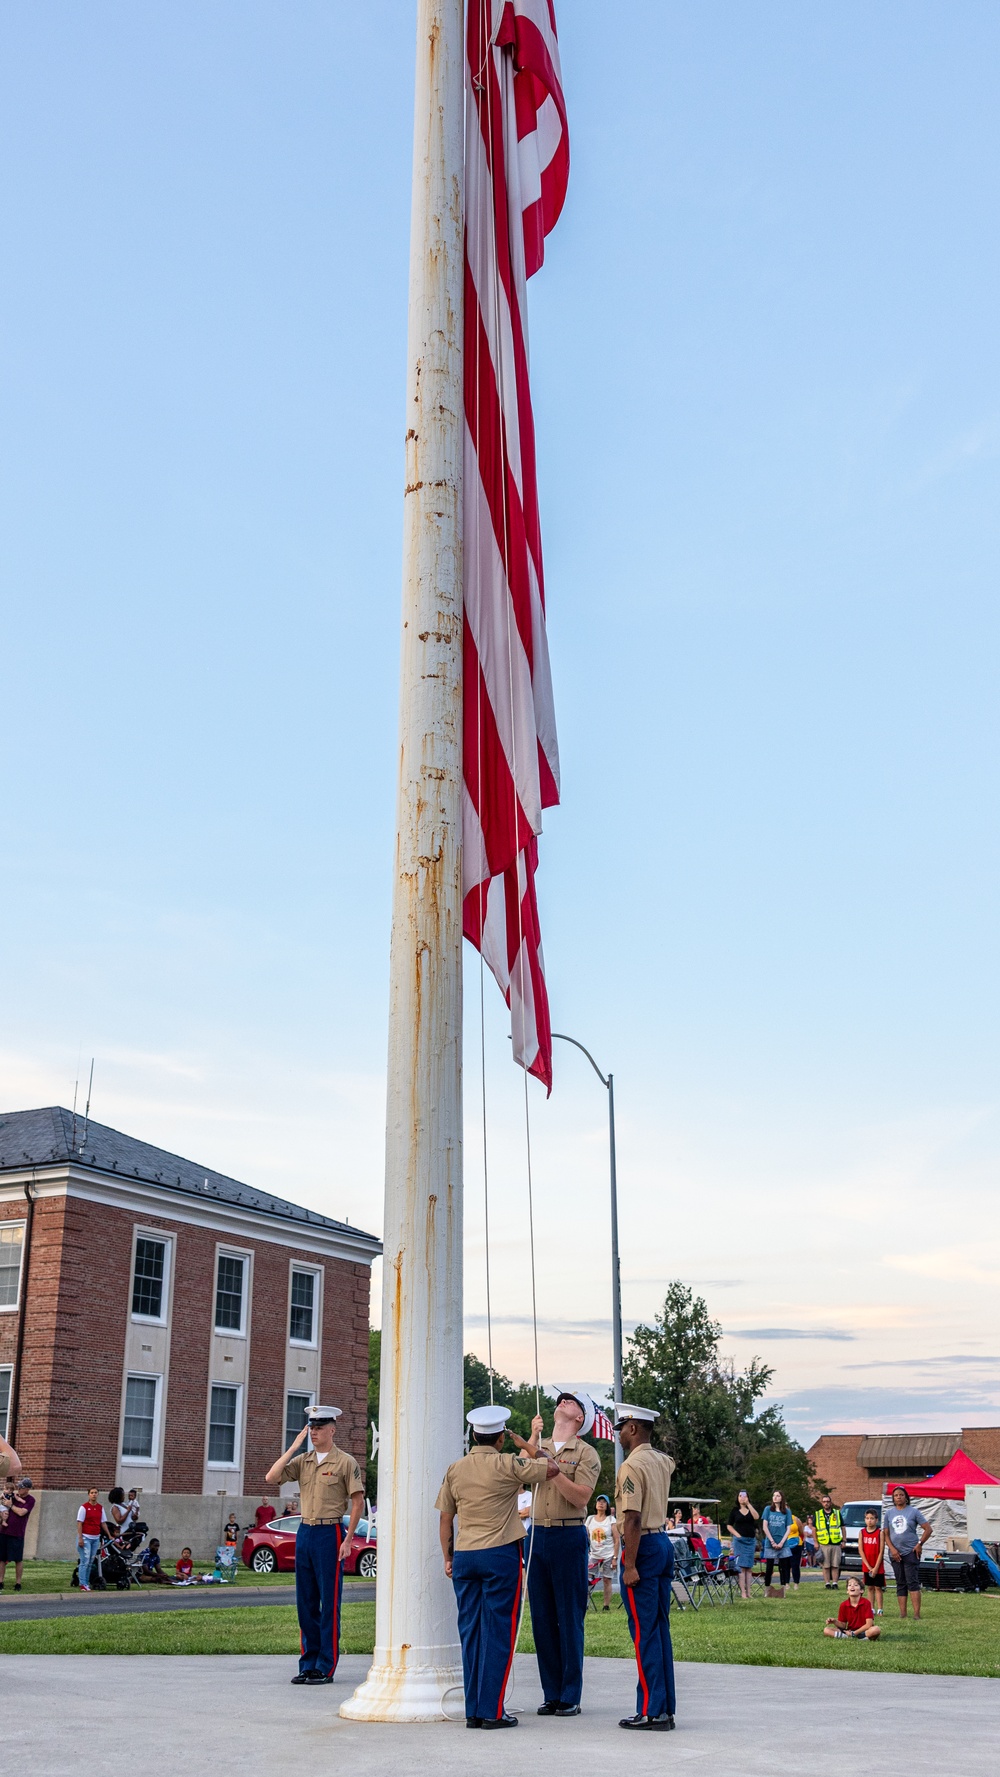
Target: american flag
{"type": "Point", "coordinates": [516, 169]}
{"type": "Point", "coordinates": [602, 1427]}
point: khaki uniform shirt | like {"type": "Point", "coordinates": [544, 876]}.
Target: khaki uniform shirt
{"type": "Point", "coordinates": [482, 1488]}
{"type": "Point", "coordinates": [643, 1486]}
{"type": "Point", "coordinates": [579, 1462]}
{"type": "Point", "coordinates": [324, 1487]}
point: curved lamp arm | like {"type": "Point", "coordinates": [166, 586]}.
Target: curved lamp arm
{"type": "Point", "coordinates": [565, 1039]}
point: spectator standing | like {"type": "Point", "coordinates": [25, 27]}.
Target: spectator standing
{"type": "Point", "coordinates": [853, 1620]}
{"type": "Point", "coordinates": [19, 1511]}
{"type": "Point", "coordinates": [809, 1544]}
{"type": "Point", "coordinates": [231, 1532]}
{"type": "Point", "coordinates": [830, 1536]}
{"type": "Point", "coordinates": [605, 1546]}
{"type": "Point", "coordinates": [777, 1522]}
{"type": "Point", "coordinates": [794, 1547]}
{"type": "Point", "coordinates": [871, 1548]}
{"type": "Point", "coordinates": [906, 1531]}
{"type": "Point", "coordinates": [742, 1528]}
{"type": "Point", "coordinates": [91, 1519]}
{"type": "Point", "coordinates": [264, 1513]}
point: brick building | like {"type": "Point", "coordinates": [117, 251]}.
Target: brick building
{"type": "Point", "coordinates": [163, 1326]}
{"type": "Point", "coordinates": [856, 1465]}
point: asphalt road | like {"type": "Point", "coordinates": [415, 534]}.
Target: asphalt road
{"type": "Point", "coordinates": [35, 1606]}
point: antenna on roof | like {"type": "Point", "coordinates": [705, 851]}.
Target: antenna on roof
{"type": "Point", "coordinates": [86, 1114]}
{"type": "Point", "coordinates": [76, 1087]}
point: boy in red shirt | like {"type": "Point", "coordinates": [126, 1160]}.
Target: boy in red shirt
{"type": "Point", "coordinates": [184, 1568]}
{"type": "Point", "coordinates": [854, 1620]}
{"type": "Point", "coordinates": [871, 1548]}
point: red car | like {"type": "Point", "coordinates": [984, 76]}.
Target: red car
{"type": "Point", "coordinates": [272, 1548]}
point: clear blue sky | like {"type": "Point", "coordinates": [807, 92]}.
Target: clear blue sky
{"type": "Point", "coordinates": [767, 384]}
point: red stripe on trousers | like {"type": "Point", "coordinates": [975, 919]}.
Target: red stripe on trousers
{"type": "Point", "coordinates": [513, 1632]}
{"type": "Point", "coordinates": [638, 1658]}
{"type": "Point", "coordinates": [336, 1602]}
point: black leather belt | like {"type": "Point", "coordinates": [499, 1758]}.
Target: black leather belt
{"type": "Point", "coordinates": [654, 1530]}
{"type": "Point", "coordinates": [313, 1523]}
{"type": "Point", "coordinates": [560, 1524]}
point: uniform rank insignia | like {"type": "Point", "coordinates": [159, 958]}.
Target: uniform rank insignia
{"type": "Point", "coordinates": [628, 1485]}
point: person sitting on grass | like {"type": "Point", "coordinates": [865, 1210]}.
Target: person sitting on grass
{"type": "Point", "coordinates": [184, 1568]}
{"type": "Point", "coordinates": [149, 1566]}
{"type": "Point", "coordinates": [854, 1620]}
{"type": "Point", "coordinates": [871, 1548]}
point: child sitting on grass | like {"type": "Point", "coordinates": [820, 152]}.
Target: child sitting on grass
{"type": "Point", "coordinates": [854, 1620]}
{"type": "Point", "coordinates": [184, 1568]}
{"type": "Point", "coordinates": [871, 1548]}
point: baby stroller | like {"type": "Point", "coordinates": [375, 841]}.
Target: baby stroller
{"type": "Point", "coordinates": [111, 1568]}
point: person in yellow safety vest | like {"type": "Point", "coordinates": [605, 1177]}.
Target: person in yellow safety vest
{"type": "Point", "coordinates": [830, 1536]}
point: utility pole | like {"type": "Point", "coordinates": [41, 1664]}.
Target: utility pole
{"type": "Point", "coordinates": [417, 1659]}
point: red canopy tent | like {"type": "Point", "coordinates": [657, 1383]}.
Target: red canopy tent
{"type": "Point", "coordinates": [959, 1472]}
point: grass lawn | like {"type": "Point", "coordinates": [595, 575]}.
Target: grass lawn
{"type": "Point", "coordinates": [957, 1634]}
{"type": "Point", "coordinates": [54, 1576]}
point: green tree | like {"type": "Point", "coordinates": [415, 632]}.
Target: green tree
{"type": "Point", "coordinates": [708, 1422]}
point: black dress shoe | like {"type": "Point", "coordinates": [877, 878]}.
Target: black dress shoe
{"type": "Point", "coordinates": [500, 1721]}
{"type": "Point", "coordinates": [657, 1723]}
{"type": "Point", "coordinates": [473, 1721]}
{"type": "Point", "coordinates": [301, 1678]}
{"type": "Point", "coordinates": [548, 1709]}
{"type": "Point", "coordinates": [568, 1709]}
{"type": "Point", "coordinates": [319, 1678]}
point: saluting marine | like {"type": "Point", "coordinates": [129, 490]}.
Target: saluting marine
{"type": "Point", "coordinates": [557, 1571]}
{"type": "Point", "coordinates": [483, 1560]}
{"type": "Point", "coordinates": [642, 1496]}
{"type": "Point", "coordinates": [328, 1479]}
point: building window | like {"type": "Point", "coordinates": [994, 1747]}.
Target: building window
{"type": "Point", "coordinates": [296, 1407]}
{"type": "Point", "coordinates": [303, 1314]}
{"type": "Point", "coordinates": [148, 1278]}
{"type": "Point", "coordinates": [5, 1376]}
{"type": "Point", "coordinates": [139, 1436]}
{"type": "Point", "coordinates": [229, 1294]}
{"type": "Point", "coordinates": [222, 1426]}
{"type": "Point", "coordinates": [11, 1247]}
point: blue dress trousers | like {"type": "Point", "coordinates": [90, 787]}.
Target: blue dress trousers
{"type": "Point", "coordinates": [319, 1579]}
{"type": "Point", "coordinates": [648, 1607]}
{"type": "Point", "coordinates": [557, 1593]}
{"type": "Point", "coordinates": [488, 1594]}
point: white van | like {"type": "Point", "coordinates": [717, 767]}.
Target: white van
{"type": "Point", "coordinates": [852, 1517]}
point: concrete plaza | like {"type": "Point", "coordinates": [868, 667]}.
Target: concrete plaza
{"type": "Point", "coordinates": [213, 1716]}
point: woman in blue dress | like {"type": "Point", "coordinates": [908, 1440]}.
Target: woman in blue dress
{"type": "Point", "coordinates": [777, 1523]}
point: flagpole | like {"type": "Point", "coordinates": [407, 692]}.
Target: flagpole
{"type": "Point", "coordinates": [417, 1659]}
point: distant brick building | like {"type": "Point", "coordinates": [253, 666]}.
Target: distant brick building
{"type": "Point", "coordinates": [163, 1326]}
{"type": "Point", "coordinates": [856, 1465]}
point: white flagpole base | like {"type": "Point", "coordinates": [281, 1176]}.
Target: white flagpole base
{"type": "Point", "coordinates": [408, 1693]}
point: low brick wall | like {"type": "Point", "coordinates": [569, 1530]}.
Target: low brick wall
{"type": "Point", "coordinates": [176, 1518]}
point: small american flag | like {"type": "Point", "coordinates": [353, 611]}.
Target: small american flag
{"type": "Point", "coordinates": [603, 1428]}
{"type": "Point", "coordinates": [516, 169]}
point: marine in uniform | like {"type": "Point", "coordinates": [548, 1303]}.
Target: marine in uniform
{"type": "Point", "coordinates": [483, 1559]}
{"type": "Point", "coordinates": [642, 1497]}
{"type": "Point", "coordinates": [559, 1549]}
{"type": "Point", "coordinates": [329, 1483]}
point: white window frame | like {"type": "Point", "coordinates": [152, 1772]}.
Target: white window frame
{"type": "Point", "coordinates": [156, 1377]}
{"type": "Point", "coordinates": [310, 1396]}
{"type": "Point", "coordinates": [315, 1271]}
{"type": "Point", "coordinates": [13, 1307]}
{"type": "Point", "coordinates": [240, 1332]}
{"type": "Point", "coordinates": [8, 1371]}
{"type": "Point", "coordinates": [226, 1468]}
{"type": "Point", "coordinates": [164, 1240]}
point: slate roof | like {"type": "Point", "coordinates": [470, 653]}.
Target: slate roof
{"type": "Point", "coordinates": [52, 1137]}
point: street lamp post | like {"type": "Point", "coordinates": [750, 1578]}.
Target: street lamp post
{"type": "Point", "coordinates": [608, 1082]}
